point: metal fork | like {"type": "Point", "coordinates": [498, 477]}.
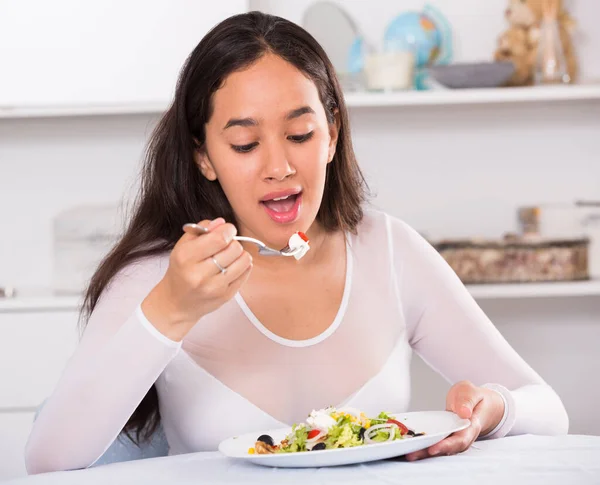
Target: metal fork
{"type": "Point", "coordinates": [262, 247]}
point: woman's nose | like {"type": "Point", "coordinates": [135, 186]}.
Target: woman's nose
{"type": "Point", "coordinates": [276, 165]}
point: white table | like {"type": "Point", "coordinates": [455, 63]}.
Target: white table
{"type": "Point", "coordinates": [510, 461]}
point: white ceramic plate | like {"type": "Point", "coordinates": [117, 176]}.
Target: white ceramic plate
{"type": "Point", "coordinates": [436, 425]}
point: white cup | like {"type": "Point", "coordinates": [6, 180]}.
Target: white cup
{"type": "Point", "coordinates": [390, 71]}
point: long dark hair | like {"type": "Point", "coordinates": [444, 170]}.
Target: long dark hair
{"type": "Point", "coordinates": [173, 191]}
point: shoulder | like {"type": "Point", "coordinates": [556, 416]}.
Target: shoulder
{"type": "Point", "coordinates": [377, 223]}
{"type": "Point", "coordinates": [139, 276]}
{"type": "Point", "coordinates": [393, 239]}
{"type": "Point", "coordinates": [146, 266]}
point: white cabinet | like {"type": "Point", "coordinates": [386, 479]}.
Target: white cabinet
{"type": "Point", "coordinates": [69, 53]}
{"type": "Point", "coordinates": [14, 431]}
{"type": "Point", "coordinates": [34, 349]}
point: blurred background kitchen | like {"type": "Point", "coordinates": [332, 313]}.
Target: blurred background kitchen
{"type": "Point", "coordinates": [476, 122]}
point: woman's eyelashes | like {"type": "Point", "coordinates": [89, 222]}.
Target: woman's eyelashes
{"type": "Point", "coordinates": [293, 138]}
{"type": "Point", "coordinates": [244, 148]}
{"type": "Point", "coordinates": [301, 138]}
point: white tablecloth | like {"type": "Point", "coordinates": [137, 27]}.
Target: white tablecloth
{"type": "Point", "coordinates": [566, 460]}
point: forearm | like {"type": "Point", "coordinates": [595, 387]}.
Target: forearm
{"type": "Point", "coordinates": [95, 397]}
{"type": "Point", "coordinates": [531, 409]}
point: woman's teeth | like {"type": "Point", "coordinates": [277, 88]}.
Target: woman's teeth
{"type": "Point", "coordinates": [281, 204]}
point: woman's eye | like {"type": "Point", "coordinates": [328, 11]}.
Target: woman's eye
{"type": "Point", "coordinates": [244, 148]}
{"type": "Point", "coordinates": [301, 138]}
{"type": "Point", "coordinates": [250, 146]}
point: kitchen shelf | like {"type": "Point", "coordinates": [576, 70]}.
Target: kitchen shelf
{"type": "Point", "coordinates": [535, 290]}
{"type": "Point", "coordinates": [40, 303]}
{"type": "Point", "coordinates": [479, 292]}
{"type": "Point", "coordinates": [475, 96]}
{"type": "Point", "coordinates": [81, 110]}
{"type": "Point", "coordinates": [582, 92]}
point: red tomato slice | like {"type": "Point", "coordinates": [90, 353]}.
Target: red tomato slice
{"type": "Point", "coordinates": [312, 433]}
{"type": "Point", "coordinates": [403, 429]}
{"type": "Point", "coordinates": [303, 236]}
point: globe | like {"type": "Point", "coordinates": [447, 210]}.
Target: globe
{"type": "Point", "coordinates": [416, 32]}
{"type": "Point", "coordinates": [426, 34]}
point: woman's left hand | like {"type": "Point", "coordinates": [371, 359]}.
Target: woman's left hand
{"type": "Point", "coordinates": [482, 406]}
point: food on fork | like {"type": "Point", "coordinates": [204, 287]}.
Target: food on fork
{"type": "Point", "coordinates": [330, 428]}
{"type": "Point", "coordinates": [298, 240]}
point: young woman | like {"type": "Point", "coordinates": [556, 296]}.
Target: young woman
{"type": "Point", "coordinates": [213, 339]}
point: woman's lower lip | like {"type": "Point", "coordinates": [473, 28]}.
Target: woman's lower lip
{"type": "Point", "coordinates": [285, 217]}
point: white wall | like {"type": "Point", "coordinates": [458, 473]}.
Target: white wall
{"type": "Point", "coordinates": [49, 165]}
{"type": "Point", "coordinates": [463, 170]}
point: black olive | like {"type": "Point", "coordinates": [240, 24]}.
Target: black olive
{"type": "Point", "coordinates": [410, 432]}
{"type": "Point", "coordinates": [361, 433]}
{"type": "Point", "coordinates": [318, 446]}
{"type": "Point", "coordinates": [265, 438]}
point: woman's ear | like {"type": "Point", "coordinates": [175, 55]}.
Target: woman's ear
{"type": "Point", "coordinates": [334, 130]}
{"type": "Point", "coordinates": [204, 163]}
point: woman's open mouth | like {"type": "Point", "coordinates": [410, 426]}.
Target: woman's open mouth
{"type": "Point", "coordinates": [283, 207]}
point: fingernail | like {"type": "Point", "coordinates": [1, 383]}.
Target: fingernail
{"type": "Point", "coordinates": [217, 222]}
{"type": "Point", "coordinates": [229, 234]}
{"type": "Point", "coordinates": [434, 453]}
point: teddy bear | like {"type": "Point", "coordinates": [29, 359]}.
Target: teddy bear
{"type": "Point", "coordinates": [514, 45]}
{"type": "Point", "coordinates": [519, 44]}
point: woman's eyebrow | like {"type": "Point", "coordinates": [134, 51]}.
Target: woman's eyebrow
{"type": "Point", "coordinates": [299, 112]}
{"type": "Point", "coordinates": [240, 122]}
{"type": "Point", "coordinates": [248, 122]}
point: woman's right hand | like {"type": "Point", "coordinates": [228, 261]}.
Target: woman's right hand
{"type": "Point", "coordinates": [193, 285]}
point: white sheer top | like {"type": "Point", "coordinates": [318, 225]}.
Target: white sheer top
{"type": "Point", "coordinates": [231, 375]}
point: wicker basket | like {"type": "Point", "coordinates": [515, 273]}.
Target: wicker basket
{"type": "Point", "coordinates": [516, 261]}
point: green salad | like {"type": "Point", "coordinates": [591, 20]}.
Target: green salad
{"type": "Point", "coordinates": [331, 428]}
